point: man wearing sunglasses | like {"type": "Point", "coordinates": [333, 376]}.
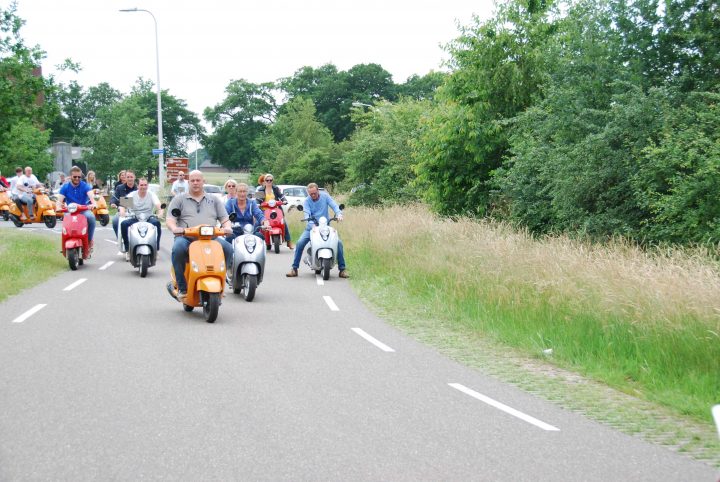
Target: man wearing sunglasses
{"type": "Point", "coordinates": [196, 208]}
{"type": "Point", "coordinates": [121, 191]}
{"type": "Point", "coordinates": [79, 192]}
{"type": "Point", "coordinates": [269, 191]}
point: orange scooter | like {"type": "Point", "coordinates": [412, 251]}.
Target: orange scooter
{"type": "Point", "coordinates": [204, 272]}
{"type": "Point", "coordinates": [101, 212]}
{"type": "Point", "coordinates": [43, 211]}
{"type": "Point", "coordinates": [5, 202]}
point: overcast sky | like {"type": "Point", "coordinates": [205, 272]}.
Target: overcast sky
{"type": "Point", "coordinates": [204, 44]}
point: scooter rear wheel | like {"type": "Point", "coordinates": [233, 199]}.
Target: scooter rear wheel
{"type": "Point", "coordinates": [50, 221]}
{"type": "Point", "coordinates": [188, 308]}
{"type": "Point", "coordinates": [6, 215]}
{"type": "Point", "coordinates": [104, 219]}
{"type": "Point", "coordinates": [16, 221]}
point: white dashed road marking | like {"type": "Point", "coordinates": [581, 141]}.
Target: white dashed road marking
{"type": "Point", "coordinates": [29, 313]}
{"type": "Point", "coordinates": [372, 340]}
{"type": "Point", "coordinates": [501, 406]}
{"type": "Point", "coordinates": [75, 284]}
{"type": "Point", "coordinates": [331, 303]}
{"type": "Point", "coordinates": [319, 280]}
{"type": "Point", "coordinates": [106, 265]}
{"type": "Point", "coordinates": [111, 241]}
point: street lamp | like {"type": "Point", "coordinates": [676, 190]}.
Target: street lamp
{"type": "Point", "coordinates": [161, 155]}
{"type": "Point", "coordinates": [197, 144]}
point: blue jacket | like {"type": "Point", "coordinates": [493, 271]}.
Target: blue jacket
{"type": "Point", "coordinates": [252, 213]}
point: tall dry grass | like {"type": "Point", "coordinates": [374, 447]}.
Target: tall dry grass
{"type": "Point", "coordinates": [647, 322]}
{"type": "Point", "coordinates": [617, 279]}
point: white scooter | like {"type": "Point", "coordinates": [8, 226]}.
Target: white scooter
{"type": "Point", "coordinates": [142, 243]}
{"type": "Point", "coordinates": [248, 264]}
{"type": "Point", "coordinates": [321, 253]}
{"type": "Point", "coordinates": [142, 238]}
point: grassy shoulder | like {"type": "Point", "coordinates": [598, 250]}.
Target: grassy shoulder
{"type": "Point", "coordinates": [27, 259]}
{"type": "Point", "coordinates": [640, 329]}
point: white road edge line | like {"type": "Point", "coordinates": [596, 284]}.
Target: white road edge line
{"type": "Point", "coordinates": [75, 284]}
{"type": "Point", "coordinates": [373, 340]}
{"type": "Point", "coordinates": [29, 313]}
{"type": "Point", "coordinates": [111, 241]}
{"type": "Point", "coordinates": [331, 303]}
{"type": "Point", "coordinates": [106, 265]}
{"type": "Point", "coordinates": [319, 280]}
{"type": "Point", "coordinates": [501, 406]}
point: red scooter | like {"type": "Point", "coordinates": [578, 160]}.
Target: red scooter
{"type": "Point", "coordinates": [274, 214]}
{"type": "Point", "coordinates": [75, 243]}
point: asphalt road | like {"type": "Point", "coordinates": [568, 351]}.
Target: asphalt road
{"type": "Point", "coordinates": [110, 380]}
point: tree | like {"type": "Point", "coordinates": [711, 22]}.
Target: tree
{"type": "Point", "coordinates": [23, 110]}
{"type": "Point", "coordinates": [239, 120]}
{"type": "Point", "coordinates": [78, 109]}
{"type": "Point", "coordinates": [299, 149]}
{"type": "Point", "coordinates": [119, 139]}
{"type": "Point", "coordinates": [333, 92]}
{"type": "Point", "coordinates": [498, 73]}
{"type": "Point", "coordinates": [379, 155]}
{"type": "Point", "coordinates": [421, 88]}
{"type": "Point", "coordinates": [179, 123]}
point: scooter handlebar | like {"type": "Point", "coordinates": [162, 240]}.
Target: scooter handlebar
{"type": "Point", "coordinates": [203, 232]}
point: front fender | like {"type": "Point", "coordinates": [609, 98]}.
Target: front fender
{"type": "Point", "coordinates": [73, 243]}
{"type": "Point", "coordinates": [143, 249]}
{"type": "Point", "coordinates": [210, 284]}
{"type": "Point", "coordinates": [249, 268]}
{"type": "Point", "coordinates": [325, 253]}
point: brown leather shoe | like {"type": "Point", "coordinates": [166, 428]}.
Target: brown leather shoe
{"type": "Point", "coordinates": [292, 273]}
{"type": "Point", "coordinates": [290, 245]}
{"type": "Point", "coordinates": [344, 274]}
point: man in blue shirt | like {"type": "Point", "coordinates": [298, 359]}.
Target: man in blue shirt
{"type": "Point", "coordinates": [316, 205]}
{"type": "Point", "coordinates": [79, 192]}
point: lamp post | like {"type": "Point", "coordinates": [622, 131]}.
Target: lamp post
{"type": "Point", "coordinates": [197, 144]}
{"type": "Point", "coordinates": [161, 155]}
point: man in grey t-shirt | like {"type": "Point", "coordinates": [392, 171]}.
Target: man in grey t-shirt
{"type": "Point", "coordinates": [196, 208]}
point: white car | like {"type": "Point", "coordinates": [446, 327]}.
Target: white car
{"type": "Point", "coordinates": [216, 191]}
{"type": "Point", "coordinates": [295, 195]}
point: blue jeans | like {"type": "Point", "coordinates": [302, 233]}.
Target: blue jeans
{"type": "Point", "coordinates": [28, 199]}
{"type": "Point", "coordinates": [304, 240]}
{"type": "Point", "coordinates": [180, 249]}
{"type": "Point", "coordinates": [91, 223]}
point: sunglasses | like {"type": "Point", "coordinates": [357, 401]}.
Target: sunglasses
{"type": "Point", "coordinates": [268, 180]}
{"type": "Point", "coordinates": [76, 177]}
{"type": "Point", "coordinates": [231, 185]}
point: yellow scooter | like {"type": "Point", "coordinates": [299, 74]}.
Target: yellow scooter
{"type": "Point", "coordinates": [204, 272]}
{"type": "Point", "coordinates": [43, 211]}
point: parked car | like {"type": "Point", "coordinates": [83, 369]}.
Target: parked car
{"type": "Point", "coordinates": [216, 191]}
{"type": "Point", "coordinates": [295, 194]}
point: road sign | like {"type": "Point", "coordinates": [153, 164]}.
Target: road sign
{"type": "Point", "coordinates": [174, 165]}
{"type": "Point", "coordinates": [158, 151]}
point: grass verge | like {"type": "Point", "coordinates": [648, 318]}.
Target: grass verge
{"type": "Point", "coordinates": [27, 259]}
{"type": "Point", "coordinates": [645, 324]}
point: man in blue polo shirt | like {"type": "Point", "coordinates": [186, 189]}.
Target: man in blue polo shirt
{"type": "Point", "coordinates": [79, 192]}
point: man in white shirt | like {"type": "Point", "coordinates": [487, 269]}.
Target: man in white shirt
{"type": "Point", "coordinates": [180, 185]}
{"type": "Point", "coordinates": [13, 183]}
{"type": "Point", "coordinates": [144, 202]}
{"type": "Point", "coordinates": [25, 186]}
